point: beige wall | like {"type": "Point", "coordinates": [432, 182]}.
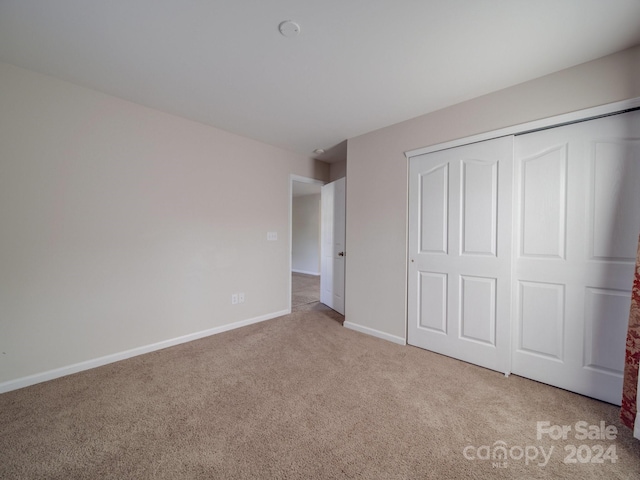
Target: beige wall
{"type": "Point", "coordinates": [337, 170]}
{"type": "Point", "coordinates": [305, 234]}
{"type": "Point", "coordinates": [377, 174]}
{"type": "Point", "coordinates": [123, 226]}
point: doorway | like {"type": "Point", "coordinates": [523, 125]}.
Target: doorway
{"type": "Point", "coordinates": [317, 239]}
{"type": "Point", "coordinates": [305, 231]}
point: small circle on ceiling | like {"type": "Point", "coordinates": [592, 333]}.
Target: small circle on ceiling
{"type": "Point", "coordinates": [289, 28]}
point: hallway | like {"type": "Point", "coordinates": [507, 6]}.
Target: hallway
{"type": "Point", "coordinates": [305, 289]}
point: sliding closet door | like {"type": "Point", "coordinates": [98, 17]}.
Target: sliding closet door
{"type": "Point", "coordinates": [459, 252]}
{"type": "Point", "coordinates": [578, 217]}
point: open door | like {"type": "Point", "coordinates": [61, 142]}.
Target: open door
{"type": "Point", "coordinates": [333, 248]}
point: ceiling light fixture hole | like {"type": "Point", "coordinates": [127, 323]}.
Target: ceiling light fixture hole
{"type": "Point", "coordinates": [289, 28]}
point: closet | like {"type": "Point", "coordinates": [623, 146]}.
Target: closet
{"type": "Point", "coordinates": [522, 250]}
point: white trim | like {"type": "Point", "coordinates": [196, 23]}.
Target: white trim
{"type": "Point", "coordinates": [572, 117]}
{"type": "Point", "coordinates": [116, 357]}
{"type": "Point", "coordinates": [315, 274]}
{"type": "Point", "coordinates": [375, 333]}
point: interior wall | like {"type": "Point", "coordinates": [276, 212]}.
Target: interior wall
{"type": "Point", "coordinates": [305, 241]}
{"type": "Point", "coordinates": [122, 226]}
{"type": "Point", "coordinates": [377, 174]}
{"type": "Point", "coordinates": [337, 170]}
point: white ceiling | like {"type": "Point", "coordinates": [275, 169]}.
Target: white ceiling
{"type": "Point", "coordinates": [357, 65]}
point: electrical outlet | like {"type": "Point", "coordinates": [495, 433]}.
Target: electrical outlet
{"type": "Point", "coordinates": [234, 299]}
{"type": "Point", "coordinates": [241, 297]}
{"type": "Point", "coordinates": [272, 236]}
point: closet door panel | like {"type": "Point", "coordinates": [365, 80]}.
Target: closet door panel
{"type": "Point", "coordinates": [615, 197]}
{"type": "Point", "coordinates": [479, 214]}
{"type": "Point", "coordinates": [543, 203]}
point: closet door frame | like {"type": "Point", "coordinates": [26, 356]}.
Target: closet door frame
{"type": "Point", "coordinates": [529, 127]}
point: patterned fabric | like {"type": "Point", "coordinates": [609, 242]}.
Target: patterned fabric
{"type": "Point", "coordinates": [630, 386]}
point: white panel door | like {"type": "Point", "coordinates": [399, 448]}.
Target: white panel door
{"type": "Point", "coordinates": [577, 223]}
{"type": "Point", "coordinates": [460, 252]}
{"type": "Point", "coordinates": [333, 245]}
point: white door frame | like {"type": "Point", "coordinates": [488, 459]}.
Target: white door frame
{"type": "Point", "coordinates": [295, 178]}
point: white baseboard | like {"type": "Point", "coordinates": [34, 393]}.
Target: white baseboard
{"type": "Point", "coordinates": [116, 357]}
{"type": "Point", "coordinates": [375, 333]}
{"type": "Point", "coordinates": [315, 274]}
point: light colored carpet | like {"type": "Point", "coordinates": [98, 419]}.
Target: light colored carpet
{"type": "Point", "coordinates": [297, 397]}
{"type": "Point", "coordinates": [305, 289]}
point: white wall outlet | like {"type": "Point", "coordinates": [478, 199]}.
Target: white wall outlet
{"type": "Point", "coordinates": [272, 236]}
{"type": "Point", "coordinates": [241, 297]}
{"type": "Point", "coordinates": [234, 299]}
